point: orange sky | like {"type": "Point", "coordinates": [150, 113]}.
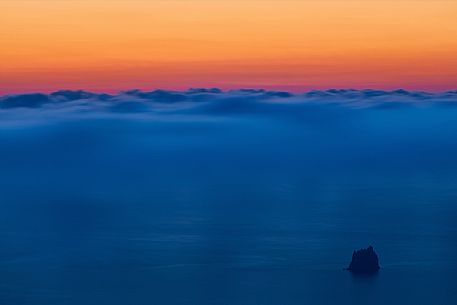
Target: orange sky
{"type": "Point", "coordinates": [111, 45]}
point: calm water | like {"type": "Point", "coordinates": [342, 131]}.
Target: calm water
{"type": "Point", "coordinates": [234, 211]}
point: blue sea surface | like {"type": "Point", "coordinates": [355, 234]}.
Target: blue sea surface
{"type": "Point", "coordinates": [229, 209]}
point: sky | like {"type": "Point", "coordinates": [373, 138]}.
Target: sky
{"type": "Point", "coordinates": [102, 45]}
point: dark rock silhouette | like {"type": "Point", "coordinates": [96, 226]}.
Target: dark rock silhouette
{"type": "Point", "coordinates": [364, 261]}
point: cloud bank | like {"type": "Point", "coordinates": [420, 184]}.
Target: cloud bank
{"type": "Point", "coordinates": [251, 146]}
{"type": "Point", "coordinates": [215, 101]}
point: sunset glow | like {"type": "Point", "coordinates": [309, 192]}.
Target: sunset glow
{"type": "Point", "coordinates": [292, 45]}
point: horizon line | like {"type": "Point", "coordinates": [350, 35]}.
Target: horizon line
{"type": "Point", "coordinates": [226, 90]}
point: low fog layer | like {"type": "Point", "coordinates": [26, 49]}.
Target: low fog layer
{"type": "Point", "coordinates": [208, 101]}
{"type": "Point", "coordinates": [342, 128]}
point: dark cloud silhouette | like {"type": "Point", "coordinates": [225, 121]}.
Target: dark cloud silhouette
{"type": "Point", "coordinates": [204, 90]}
{"type": "Point", "coordinates": [24, 100]}
{"type": "Point", "coordinates": [78, 95]}
{"type": "Point", "coordinates": [213, 101]}
{"type": "Point", "coordinates": [161, 96]}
